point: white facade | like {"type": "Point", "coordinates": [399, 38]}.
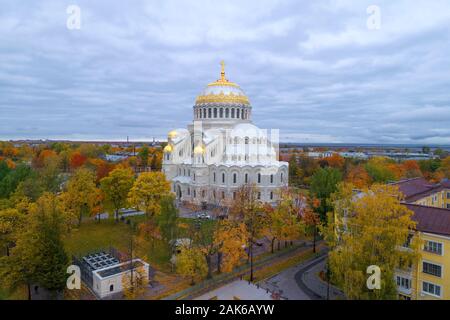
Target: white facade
{"type": "Point", "coordinates": [106, 285]}
{"type": "Point", "coordinates": [222, 150]}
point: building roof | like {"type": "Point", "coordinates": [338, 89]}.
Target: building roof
{"type": "Point", "coordinates": [431, 219]}
{"type": "Point", "coordinates": [417, 188]}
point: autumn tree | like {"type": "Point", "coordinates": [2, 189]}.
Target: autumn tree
{"type": "Point", "coordinates": [380, 169]}
{"type": "Point", "coordinates": [335, 161]}
{"type": "Point", "coordinates": [147, 192]}
{"type": "Point", "coordinates": [369, 230]}
{"type": "Point", "coordinates": [411, 169]}
{"type": "Point", "coordinates": [134, 283]}
{"type": "Point", "coordinates": [115, 188]}
{"type": "Point", "coordinates": [82, 195]}
{"type": "Point", "coordinates": [191, 263]}
{"type": "Point", "coordinates": [283, 222]}
{"type": "Point", "coordinates": [38, 256]}
{"type": "Point", "coordinates": [358, 176]}
{"type": "Point", "coordinates": [77, 160]}
{"type": "Point", "coordinates": [445, 167]}
{"type": "Point", "coordinates": [11, 224]}
{"type": "Point", "coordinates": [247, 208]}
{"type": "Point", "coordinates": [230, 238]}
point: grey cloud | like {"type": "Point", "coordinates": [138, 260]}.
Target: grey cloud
{"type": "Point", "coordinates": [312, 70]}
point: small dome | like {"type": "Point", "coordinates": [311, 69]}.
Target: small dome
{"type": "Point", "coordinates": [173, 134]}
{"type": "Point", "coordinates": [198, 149]}
{"type": "Point", "coordinates": [247, 130]}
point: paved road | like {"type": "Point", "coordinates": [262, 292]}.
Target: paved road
{"type": "Point", "coordinates": [286, 282]}
{"type": "Point", "coordinates": [308, 280]}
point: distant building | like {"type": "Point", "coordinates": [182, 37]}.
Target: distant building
{"type": "Point", "coordinates": [321, 154]}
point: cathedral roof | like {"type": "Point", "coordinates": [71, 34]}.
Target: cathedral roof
{"type": "Point", "coordinates": [222, 91]}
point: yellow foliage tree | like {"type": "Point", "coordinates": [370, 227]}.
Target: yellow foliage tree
{"type": "Point", "coordinates": [230, 239]}
{"type": "Point", "coordinates": [369, 229]}
{"type": "Point", "coordinates": [147, 192]}
{"type": "Point", "coordinates": [190, 262]}
{"type": "Point", "coordinates": [134, 283]}
{"type": "Point", "coordinates": [115, 189]}
{"type": "Point", "coordinates": [82, 195]}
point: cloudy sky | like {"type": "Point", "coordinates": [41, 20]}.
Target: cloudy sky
{"type": "Point", "coordinates": [312, 69]}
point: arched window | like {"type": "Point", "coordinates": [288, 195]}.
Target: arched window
{"type": "Point", "coordinates": [194, 176]}
{"type": "Point", "coordinates": [232, 113]}
{"type": "Point", "coordinates": [271, 178]}
{"type": "Point", "coordinates": [215, 112]}
{"type": "Point", "coordinates": [203, 193]}
{"type": "Point", "coordinates": [281, 178]}
{"type": "Point", "coordinates": [247, 140]}
{"type": "Point", "coordinates": [189, 191]}
{"type": "Point", "coordinates": [259, 195]}
{"type": "Point", "coordinates": [214, 177]}
{"type": "Point", "coordinates": [223, 177]}
{"type": "Point", "coordinates": [234, 177]}
{"type": "Point", "coordinates": [259, 177]}
{"type": "Point", "coordinates": [238, 113]}
{"type": "Point", "coordinates": [246, 178]}
{"type": "Point", "coordinates": [271, 195]}
{"type": "Point", "coordinates": [227, 113]}
{"type": "Point", "coordinates": [204, 113]}
{"type": "Point", "coordinates": [221, 113]}
{"type": "Point", "coordinates": [195, 194]}
{"type": "Point", "coordinates": [111, 288]}
{"type": "Point", "coordinates": [209, 113]}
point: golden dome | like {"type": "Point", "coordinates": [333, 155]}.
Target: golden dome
{"type": "Point", "coordinates": [173, 134]}
{"type": "Point", "coordinates": [198, 149]}
{"type": "Point", "coordinates": [223, 91]}
{"type": "Point", "coordinates": [168, 148]}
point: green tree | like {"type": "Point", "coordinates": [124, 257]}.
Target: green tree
{"type": "Point", "coordinates": [168, 218]}
{"type": "Point", "coordinates": [10, 182]}
{"type": "Point", "coordinates": [323, 184]}
{"type": "Point", "coordinates": [143, 156]}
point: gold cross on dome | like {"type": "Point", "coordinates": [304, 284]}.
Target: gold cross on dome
{"type": "Point", "coordinates": [222, 73]}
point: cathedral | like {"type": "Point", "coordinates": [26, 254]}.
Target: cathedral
{"type": "Point", "coordinates": [222, 149]}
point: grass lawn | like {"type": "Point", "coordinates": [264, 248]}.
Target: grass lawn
{"type": "Point", "coordinates": [93, 236]}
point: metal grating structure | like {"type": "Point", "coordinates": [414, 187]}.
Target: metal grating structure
{"type": "Point", "coordinates": [100, 260]}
